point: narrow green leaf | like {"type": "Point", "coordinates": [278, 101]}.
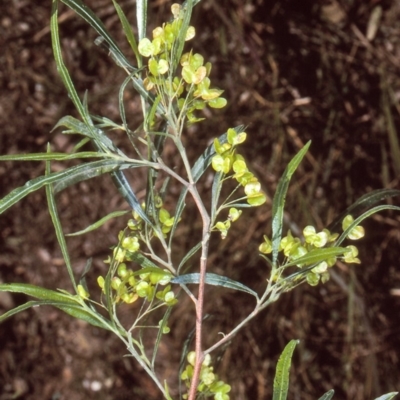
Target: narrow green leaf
{"type": "Point", "coordinates": [121, 102]}
{"type": "Point", "coordinates": [128, 32]}
{"type": "Point", "coordinates": [66, 177]}
{"type": "Point", "coordinates": [77, 311]}
{"type": "Point", "coordinates": [52, 156]}
{"type": "Point", "coordinates": [388, 396]}
{"type": "Point", "coordinates": [99, 223]}
{"type": "Point", "coordinates": [278, 204]}
{"type": "Point", "coordinates": [328, 395]}
{"type": "Point", "coordinates": [189, 254]}
{"type": "Point", "coordinates": [315, 256]}
{"type": "Point", "coordinates": [150, 201]}
{"type": "Point", "coordinates": [38, 292]}
{"type": "Point", "coordinates": [24, 307]}
{"type": "Point", "coordinates": [61, 68]}
{"type": "Point", "coordinates": [65, 302]}
{"type": "Point", "coordinates": [281, 381]}
{"type": "Point", "coordinates": [92, 170]}
{"type": "Point", "coordinates": [215, 280]}
{"type": "Point", "coordinates": [127, 193]}
{"type": "Point", "coordinates": [80, 144]}
{"type": "Point", "coordinates": [160, 334]}
{"type": "Point", "coordinates": [143, 261]}
{"type": "Point", "coordinates": [215, 193]}
{"type": "Point", "coordinates": [104, 122]}
{"type": "Point", "coordinates": [57, 226]}
{"type": "Point", "coordinates": [150, 116]}
{"type": "Point", "coordinates": [167, 395]}
{"type": "Point", "coordinates": [236, 205]}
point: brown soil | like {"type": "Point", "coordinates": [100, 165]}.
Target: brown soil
{"type": "Point", "coordinates": [291, 73]}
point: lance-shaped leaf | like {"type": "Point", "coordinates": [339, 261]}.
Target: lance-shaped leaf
{"type": "Point", "coordinates": [62, 69]}
{"type": "Point", "coordinates": [127, 193]}
{"type": "Point", "coordinates": [99, 223]}
{"type": "Point", "coordinates": [39, 292]}
{"type": "Point", "coordinates": [52, 156]}
{"type": "Point", "coordinates": [143, 261]}
{"type": "Point", "coordinates": [215, 280]}
{"type": "Point", "coordinates": [281, 380]}
{"type": "Point", "coordinates": [189, 254]}
{"type": "Point", "coordinates": [215, 193]}
{"type": "Point", "coordinates": [67, 177]}
{"type": "Point", "coordinates": [66, 302]}
{"type": "Point", "coordinates": [160, 333]}
{"type": "Point", "coordinates": [316, 256]}
{"type": "Point", "coordinates": [128, 32]}
{"type": "Point", "coordinates": [51, 202]}
{"type": "Point", "coordinates": [278, 203]}
{"type": "Point", "coordinates": [26, 306]}
{"type": "Point", "coordinates": [91, 170]}
{"type": "Point", "coordinates": [86, 314]}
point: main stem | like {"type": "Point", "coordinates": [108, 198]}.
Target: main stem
{"type": "Point", "coordinates": [199, 303]}
{"type": "Point", "coordinates": [200, 298]}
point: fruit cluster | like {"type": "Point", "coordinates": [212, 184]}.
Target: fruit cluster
{"type": "Point", "coordinates": [293, 248]}
{"type": "Point", "coordinates": [190, 91]}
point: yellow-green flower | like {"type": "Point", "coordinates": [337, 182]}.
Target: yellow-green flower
{"type": "Point", "coordinates": [351, 256]}
{"type": "Point", "coordinates": [316, 239]}
{"type": "Point", "coordinates": [266, 246]}
{"type": "Point", "coordinates": [357, 232]}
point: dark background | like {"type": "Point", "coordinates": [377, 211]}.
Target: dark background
{"type": "Point", "coordinates": [292, 71]}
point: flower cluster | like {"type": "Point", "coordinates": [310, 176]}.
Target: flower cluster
{"type": "Point", "coordinates": [129, 244]}
{"type": "Point", "coordinates": [209, 384]}
{"type": "Point", "coordinates": [293, 248]}
{"type": "Point", "coordinates": [191, 90]}
{"type": "Point", "coordinates": [129, 286]}
{"type": "Point", "coordinates": [227, 160]}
